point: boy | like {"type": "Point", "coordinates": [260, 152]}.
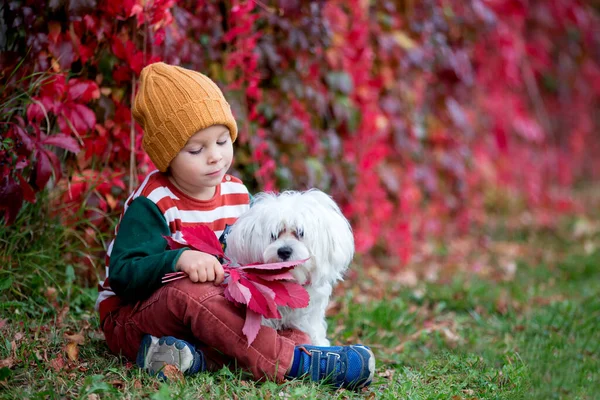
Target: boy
{"type": "Point", "coordinates": [188, 134]}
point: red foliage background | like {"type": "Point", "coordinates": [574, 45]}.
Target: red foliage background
{"type": "Point", "coordinates": [411, 114]}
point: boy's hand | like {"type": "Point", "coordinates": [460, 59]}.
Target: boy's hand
{"type": "Point", "coordinates": [200, 267]}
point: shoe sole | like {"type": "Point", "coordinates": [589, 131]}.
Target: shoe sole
{"type": "Point", "coordinates": [155, 353]}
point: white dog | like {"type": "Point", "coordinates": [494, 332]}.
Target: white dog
{"type": "Point", "coordinates": [295, 226]}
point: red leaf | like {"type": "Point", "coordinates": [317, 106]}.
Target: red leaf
{"type": "Point", "coordinates": [252, 325]}
{"type": "Point", "coordinates": [63, 141]}
{"type": "Point", "coordinates": [270, 276]}
{"type": "Point", "coordinates": [54, 30]}
{"type": "Point", "coordinates": [118, 48]}
{"type": "Point", "coordinates": [174, 244]}
{"type": "Point", "coordinates": [289, 294]}
{"type": "Point", "coordinates": [258, 302]}
{"type": "Point", "coordinates": [55, 164]}
{"type": "Point", "coordinates": [202, 238]}
{"type": "Point", "coordinates": [82, 91]}
{"type": "Point", "coordinates": [34, 113]}
{"type": "Point", "coordinates": [269, 297]}
{"type": "Point", "coordinates": [28, 192]}
{"type": "Point", "coordinates": [43, 169]}
{"type": "Point", "coordinates": [298, 296]}
{"type": "Point", "coordinates": [81, 117]}
{"type": "Point", "coordinates": [238, 292]}
{"type": "Point", "coordinates": [11, 199]}
{"type": "Point", "coordinates": [257, 268]}
{"type": "Point", "coordinates": [24, 137]}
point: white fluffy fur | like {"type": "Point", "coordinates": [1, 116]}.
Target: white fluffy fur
{"type": "Point", "coordinates": [312, 226]}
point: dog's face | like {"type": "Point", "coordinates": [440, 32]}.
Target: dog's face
{"type": "Point", "coordinates": [295, 226]}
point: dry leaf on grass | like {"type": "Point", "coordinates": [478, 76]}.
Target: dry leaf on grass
{"type": "Point", "coordinates": [76, 338]}
{"type": "Point", "coordinates": [3, 323]}
{"type": "Point", "coordinates": [172, 373]}
{"type": "Point", "coordinates": [72, 351]}
{"type": "Point", "coordinates": [7, 362]}
{"type": "Point", "coordinates": [61, 315]}
{"type": "Point", "coordinates": [50, 293]}
{"type": "Point", "coordinates": [57, 363]}
{"type": "Point", "coordinates": [93, 396]}
{"type": "Point", "coordinates": [117, 384]}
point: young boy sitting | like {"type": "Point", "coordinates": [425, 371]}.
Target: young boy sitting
{"type": "Point", "coordinates": [189, 132]}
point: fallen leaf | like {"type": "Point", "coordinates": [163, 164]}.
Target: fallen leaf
{"type": "Point", "coordinates": [407, 278]}
{"type": "Point", "coordinates": [2, 323]}
{"type": "Point", "coordinates": [172, 373]}
{"type": "Point", "coordinates": [57, 363]}
{"type": "Point", "coordinates": [50, 294]}
{"type": "Point", "coordinates": [137, 384]}
{"type": "Point", "coordinates": [7, 362]}
{"type": "Point", "coordinates": [76, 338]}
{"type": "Point", "coordinates": [19, 336]}
{"type": "Point", "coordinates": [93, 396]}
{"type": "Point", "coordinates": [388, 374]}
{"type": "Point", "coordinates": [117, 384]}
{"type": "Point", "coordinates": [72, 351]}
{"type": "Point", "coordinates": [61, 315]}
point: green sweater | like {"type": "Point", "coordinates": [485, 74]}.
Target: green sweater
{"type": "Point", "coordinates": [139, 257]}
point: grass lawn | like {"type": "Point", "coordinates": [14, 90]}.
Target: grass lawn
{"type": "Point", "coordinates": [517, 318]}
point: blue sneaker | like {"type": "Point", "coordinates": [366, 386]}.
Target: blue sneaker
{"type": "Point", "coordinates": [349, 367]}
{"type": "Point", "coordinates": [155, 353]}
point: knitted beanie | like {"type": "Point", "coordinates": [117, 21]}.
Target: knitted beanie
{"type": "Point", "coordinates": [173, 104]}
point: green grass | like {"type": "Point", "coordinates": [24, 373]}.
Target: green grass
{"type": "Point", "coordinates": [533, 337]}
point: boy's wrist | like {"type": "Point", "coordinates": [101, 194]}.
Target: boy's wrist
{"type": "Point", "coordinates": [177, 265]}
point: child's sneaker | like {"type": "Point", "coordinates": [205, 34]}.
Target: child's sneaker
{"type": "Point", "coordinates": [155, 353]}
{"type": "Point", "coordinates": [343, 366]}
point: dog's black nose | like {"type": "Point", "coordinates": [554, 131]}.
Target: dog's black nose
{"type": "Point", "coordinates": [284, 252]}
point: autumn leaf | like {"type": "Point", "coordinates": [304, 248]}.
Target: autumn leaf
{"type": "Point", "coordinates": [57, 363]}
{"type": "Point", "coordinates": [72, 351]}
{"type": "Point", "coordinates": [172, 373]}
{"type": "Point", "coordinates": [77, 338]}
{"type": "Point", "coordinates": [63, 141]}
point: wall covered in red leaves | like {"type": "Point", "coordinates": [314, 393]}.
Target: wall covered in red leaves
{"type": "Point", "coordinates": [407, 112]}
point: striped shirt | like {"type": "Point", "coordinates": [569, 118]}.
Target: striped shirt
{"type": "Point", "coordinates": [231, 199]}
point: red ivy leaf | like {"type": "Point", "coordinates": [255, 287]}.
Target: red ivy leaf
{"type": "Point", "coordinates": [81, 117]}
{"type": "Point", "coordinates": [54, 30]}
{"type": "Point", "coordinates": [251, 325]}
{"type": "Point", "coordinates": [276, 277]}
{"type": "Point", "coordinates": [174, 244]}
{"type": "Point", "coordinates": [238, 292]}
{"type": "Point", "coordinates": [63, 141]}
{"type": "Point", "coordinates": [258, 302]}
{"type": "Point", "coordinates": [257, 268]}
{"type": "Point", "coordinates": [202, 238]}
{"type": "Point", "coordinates": [28, 193]}
{"type": "Point", "coordinates": [24, 137]}
{"type": "Point", "coordinates": [82, 91]}
{"type": "Point", "coordinates": [55, 164]}
{"type": "Point", "coordinates": [43, 169]}
{"type": "Point", "coordinates": [11, 199]}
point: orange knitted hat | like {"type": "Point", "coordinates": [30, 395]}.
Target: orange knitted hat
{"type": "Point", "coordinates": [174, 103]}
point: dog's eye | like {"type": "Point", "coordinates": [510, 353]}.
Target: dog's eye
{"type": "Point", "coordinates": [299, 233]}
{"type": "Point", "coordinates": [273, 237]}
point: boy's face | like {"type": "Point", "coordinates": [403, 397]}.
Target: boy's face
{"type": "Point", "coordinates": [200, 166]}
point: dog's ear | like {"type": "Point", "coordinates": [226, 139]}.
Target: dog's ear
{"type": "Point", "coordinates": [336, 240]}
